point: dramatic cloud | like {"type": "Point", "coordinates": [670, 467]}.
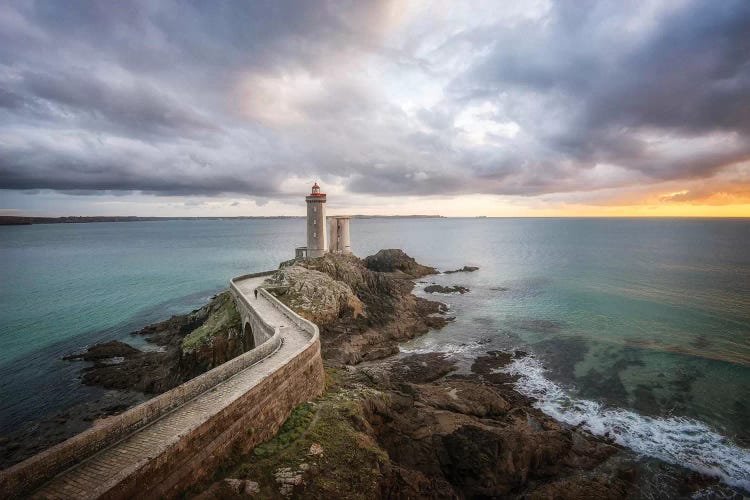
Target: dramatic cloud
{"type": "Point", "coordinates": [570, 100]}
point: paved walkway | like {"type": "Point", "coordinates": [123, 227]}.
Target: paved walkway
{"type": "Point", "coordinates": [104, 470]}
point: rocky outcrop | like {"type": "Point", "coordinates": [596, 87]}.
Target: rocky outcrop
{"type": "Point", "coordinates": [362, 314]}
{"type": "Point", "coordinates": [190, 344]}
{"type": "Point", "coordinates": [315, 295]}
{"type": "Point", "coordinates": [484, 439]}
{"type": "Point", "coordinates": [414, 427]}
{"type": "Point", "coordinates": [445, 289]}
{"type": "Point", "coordinates": [465, 269]}
{"type": "Point", "coordinates": [411, 427]}
{"type": "Point", "coordinates": [393, 260]}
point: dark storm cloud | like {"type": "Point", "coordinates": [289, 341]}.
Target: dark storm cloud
{"type": "Point", "coordinates": [118, 173]}
{"type": "Point", "coordinates": [94, 104]}
{"type": "Point", "coordinates": [690, 75]}
{"type": "Point", "coordinates": [237, 97]}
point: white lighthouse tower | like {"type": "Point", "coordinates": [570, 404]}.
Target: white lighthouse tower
{"type": "Point", "coordinates": [317, 238]}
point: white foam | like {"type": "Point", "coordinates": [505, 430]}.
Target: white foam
{"type": "Point", "coordinates": [448, 348]}
{"type": "Point", "coordinates": [676, 440]}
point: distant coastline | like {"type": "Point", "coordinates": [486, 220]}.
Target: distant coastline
{"type": "Point", "coordinates": [21, 220]}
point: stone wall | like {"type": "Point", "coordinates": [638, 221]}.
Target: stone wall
{"type": "Point", "coordinates": [29, 474]}
{"type": "Point", "coordinates": [262, 331]}
{"type": "Point", "coordinates": [251, 420]}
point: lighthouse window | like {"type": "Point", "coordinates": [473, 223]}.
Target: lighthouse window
{"type": "Point", "coordinates": [315, 221]}
{"type": "Point", "coordinates": [315, 209]}
{"type": "Point", "coordinates": [315, 235]}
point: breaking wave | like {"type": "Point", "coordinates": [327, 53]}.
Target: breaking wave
{"type": "Point", "coordinates": [676, 440]}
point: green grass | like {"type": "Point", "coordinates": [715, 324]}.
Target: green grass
{"type": "Point", "coordinates": [351, 463]}
{"type": "Point", "coordinates": [223, 317]}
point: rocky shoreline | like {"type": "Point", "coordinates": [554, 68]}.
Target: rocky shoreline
{"type": "Point", "coordinates": [183, 347]}
{"type": "Point", "coordinates": [414, 426]}
{"type": "Point", "coordinates": [388, 425]}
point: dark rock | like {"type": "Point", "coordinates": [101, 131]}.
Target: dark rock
{"type": "Point", "coordinates": [488, 365]}
{"type": "Point", "coordinates": [465, 269]}
{"type": "Point", "coordinates": [393, 260]}
{"type": "Point", "coordinates": [445, 289]}
{"type": "Point", "coordinates": [478, 439]}
{"type": "Point", "coordinates": [106, 350]}
{"type": "Point", "coordinates": [35, 436]}
{"type": "Point", "coordinates": [117, 365]}
{"type": "Point", "coordinates": [412, 369]}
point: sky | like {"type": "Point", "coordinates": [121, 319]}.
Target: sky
{"type": "Point", "coordinates": [513, 108]}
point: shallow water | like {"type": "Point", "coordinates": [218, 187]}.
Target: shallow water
{"type": "Point", "coordinates": [640, 328]}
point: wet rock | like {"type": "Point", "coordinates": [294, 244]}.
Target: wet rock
{"type": "Point", "coordinates": [445, 289]}
{"type": "Point", "coordinates": [465, 269]}
{"type": "Point", "coordinates": [106, 350]}
{"type": "Point", "coordinates": [489, 366]}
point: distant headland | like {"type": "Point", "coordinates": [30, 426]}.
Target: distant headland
{"type": "Point", "coordinates": [23, 220]}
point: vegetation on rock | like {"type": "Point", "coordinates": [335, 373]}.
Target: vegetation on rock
{"type": "Point", "coordinates": [190, 345]}
{"type": "Point", "coordinates": [223, 320]}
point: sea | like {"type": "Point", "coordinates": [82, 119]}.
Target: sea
{"type": "Point", "coordinates": [638, 329]}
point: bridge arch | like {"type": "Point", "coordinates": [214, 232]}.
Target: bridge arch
{"type": "Point", "coordinates": [248, 336]}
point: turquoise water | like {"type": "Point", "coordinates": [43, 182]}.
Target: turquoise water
{"type": "Point", "coordinates": [639, 328]}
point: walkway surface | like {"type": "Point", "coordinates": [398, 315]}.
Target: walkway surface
{"type": "Point", "coordinates": [98, 474]}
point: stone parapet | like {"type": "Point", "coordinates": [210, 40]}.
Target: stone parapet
{"type": "Point", "coordinates": [190, 455]}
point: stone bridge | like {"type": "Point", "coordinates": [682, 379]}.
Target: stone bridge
{"type": "Point", "coordinates": [161, 447]}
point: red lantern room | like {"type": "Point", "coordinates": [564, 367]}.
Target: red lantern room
{"type": "Point", "coordinates": [316, 190]}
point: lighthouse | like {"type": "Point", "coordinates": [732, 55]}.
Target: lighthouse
{"type": "Point", "coordinates": [317, 238]}
{"type": "Point", "coordinates": [318, 243]}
